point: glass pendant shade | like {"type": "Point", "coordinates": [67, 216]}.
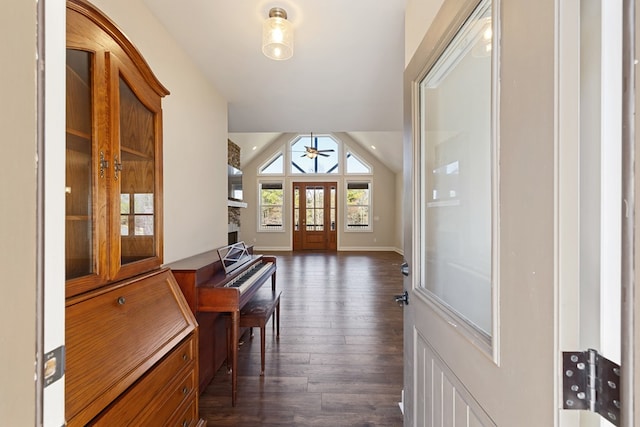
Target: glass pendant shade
{"type": "Point", "coordinates": [277, 35]}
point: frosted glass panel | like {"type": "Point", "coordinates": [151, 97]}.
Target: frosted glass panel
{"type": "Point", "coordinates": [456, 171]}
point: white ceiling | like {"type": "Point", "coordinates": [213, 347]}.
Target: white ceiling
{"type": "Point", "coordinates": [345, 74]}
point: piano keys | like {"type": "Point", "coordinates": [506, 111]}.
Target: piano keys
{"type": "Point", "coordinates": [231, 292]}
{"type": "Point", "coordinates": [216, 282]}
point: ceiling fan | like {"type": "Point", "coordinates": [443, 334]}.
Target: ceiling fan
{"type": "Point", "coordinates": [312, 152]}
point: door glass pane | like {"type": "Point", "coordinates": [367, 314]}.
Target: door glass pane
{"type": "Point", "coordinates": [143, 214]}
{"type": "Point", "coordinates": [125, 214]}
{"type": "Point", "coordinates": [333, 208]}
{"type": "Point", "coordinates": [137, 176]}
{"type": "Point", "coordinates": [143, 203]}
{"type": "Point", "coordinates": [296, 208]}
{"type": "Point", "coordinates": [79, 232]}
{"type": "Point", "coordinates": [315, 208]}
{"type": "Point", "coordinates": [456, 175]}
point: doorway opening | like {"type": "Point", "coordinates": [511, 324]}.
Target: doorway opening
{"type": "Point", "coordinates": [315, 216]}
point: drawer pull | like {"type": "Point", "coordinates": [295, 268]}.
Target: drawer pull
{"type": "Point", "coordinates": [185, 423]}
{"type": "Point", "coordinates": [185, 357]}
{"type": "Point", "coordinates": [121, 301]}
{"type": "Point", "coordinates": [185, 390]}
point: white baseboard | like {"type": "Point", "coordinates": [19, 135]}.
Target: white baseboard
{"type": "Point", "coordinates": [367, 249]}
{"type": "Point", "coordinates": [340, 249]}
{"type": "Point", "coordinates": [272, 248]}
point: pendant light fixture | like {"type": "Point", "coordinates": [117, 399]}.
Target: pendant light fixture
{"type": "Point", "coordinates": [277, 35]}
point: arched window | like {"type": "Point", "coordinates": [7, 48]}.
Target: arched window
{"type": "Point", "coordinates": [313, 154]}
{"type": "Point", "coordinates": [355, 165]}
{"type": "Point", "coordinates": [310, 154]}
{"type": "Point", "coordinates": [274, 166]}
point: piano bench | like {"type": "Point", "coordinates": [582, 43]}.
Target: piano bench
{"type": "Point", "coordinates": [256, 314]}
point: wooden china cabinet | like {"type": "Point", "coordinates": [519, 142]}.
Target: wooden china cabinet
{"type": "Point", "coordinates": [131, 339]}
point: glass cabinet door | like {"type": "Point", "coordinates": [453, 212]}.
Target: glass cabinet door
{"type": "Point", "coordinates": [135, 170]}
{"type": "Point", "coordinates": [113, 159]}
{"type": "Point", "coordinates": [80, 257]}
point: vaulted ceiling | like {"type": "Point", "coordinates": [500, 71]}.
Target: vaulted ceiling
{"type": "Point", "coordinates": [345, 74]}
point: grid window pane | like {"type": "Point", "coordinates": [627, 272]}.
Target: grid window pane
{"type": "Point", "coordinates": [125, 204]}
{"type": "Point", "coordinates": [144, 225]}
{"type": "Point", "coordinates": [358, 206]}
{"type": "Point", "coordinates": [271, 199]}
{"type": "Point", "coordinates": [143, 203]}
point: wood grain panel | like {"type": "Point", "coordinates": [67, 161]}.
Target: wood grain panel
{"type": "Point", "coordinates": [162, 381]}
{"type": "Point", "coordinates": [114, 335]}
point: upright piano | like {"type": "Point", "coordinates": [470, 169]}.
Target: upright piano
{"type": "Point", "coordinates": [221, 281]}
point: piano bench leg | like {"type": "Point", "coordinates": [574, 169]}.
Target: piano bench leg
{"type": "Point", "coordinates": [256, 314]}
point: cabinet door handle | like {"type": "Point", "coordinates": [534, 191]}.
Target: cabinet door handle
{"type": "Point", "coordinates": [117, 166]}
{"type": "Point", "coordinates": [104, 164]}
{"type": "Point", "coordinates": [185, 390]}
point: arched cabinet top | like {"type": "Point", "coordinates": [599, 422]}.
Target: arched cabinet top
{"type": "Point", "coordinates": [96, 16]}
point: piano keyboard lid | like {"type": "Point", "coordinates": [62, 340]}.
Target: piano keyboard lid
{"type": "Point", "coordinates": [234, 256]}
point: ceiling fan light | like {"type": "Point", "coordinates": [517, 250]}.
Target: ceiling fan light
{"type": "Point", "coordinates": [277, 35]}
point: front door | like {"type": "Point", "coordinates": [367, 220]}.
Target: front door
{"type": "Point", "coordinates": [315, 216]}
{"type": "Point", "coordinates": [498, 266]}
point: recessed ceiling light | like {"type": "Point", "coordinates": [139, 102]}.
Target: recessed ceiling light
{"type": "Point", "coordinates": [373, 146]}
{"type": "Point", "coordinates": [255, 148]}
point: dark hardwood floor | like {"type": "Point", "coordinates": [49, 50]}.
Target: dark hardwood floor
{"type": "Point", "coordinates": [338, 361]}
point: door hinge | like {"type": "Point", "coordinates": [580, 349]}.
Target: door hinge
{"type": "Point", "coordinates": [591, 382]}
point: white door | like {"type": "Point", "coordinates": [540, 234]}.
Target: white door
{"type": "Point", "coordinates": [498, 283]}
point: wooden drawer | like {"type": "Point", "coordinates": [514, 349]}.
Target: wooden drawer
{"type": "Point", "coordinates": [115, 334]}
{"type": "Point", "coordinates": [187, 417]}
{"type": "Point", "coordinates": [162, 390]}
{"type": "Point", "coordinates": [180, 392]}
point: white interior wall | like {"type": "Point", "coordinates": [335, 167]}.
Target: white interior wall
{"type": "Point", "coordinates": [384, 198]}
{"type": "Point", "coordinates": [195, 136]}
{"type": "Point", "coordinates": [419, 15]}
{"type": "Point", "coordinates": [18, 212]}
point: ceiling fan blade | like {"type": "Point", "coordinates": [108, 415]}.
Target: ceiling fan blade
{"type": "Point", "coordinates": [322, 154]}
{"type": "Point", "coordinates": [326, 151]}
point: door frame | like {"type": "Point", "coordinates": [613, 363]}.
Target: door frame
{"type": "Point", "coordinates": [630, 304]}
{"type": "Point", "coordinates": [330, 235]}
